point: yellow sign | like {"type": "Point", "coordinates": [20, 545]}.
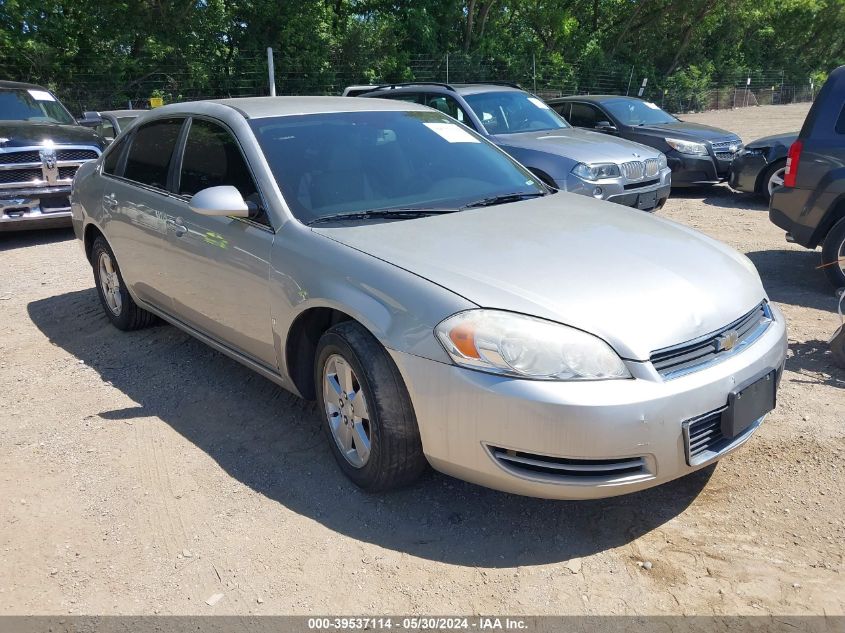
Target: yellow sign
{"type": "Point", "coordinates": [156, 102]}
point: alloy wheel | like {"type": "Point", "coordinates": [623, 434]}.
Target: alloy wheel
{"type": "Point", "coordinates": [346, 410]}
{"type": "Point", "coordinates": [110, 283]}
{"type": "Point", "coordinates": [776, 180]}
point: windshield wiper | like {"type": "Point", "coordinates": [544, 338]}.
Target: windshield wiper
{"type": "Point", "coordinates": [402, 213]}
{"type": "Point", "coordinates": [504, 199]}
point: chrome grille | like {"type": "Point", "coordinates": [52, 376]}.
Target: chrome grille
{"type": "Point", "coordinates": [652, 167]}
{"type": "Point", "coordinates": [27, 176]}
{"type": "Point", "coordinates": [24, 166]}
{"type": "Point", "coordinates": [563, 468]}
{"type": "Point", "coordinates": [81, 155]}
{"type": "Point", "coordinates": [727, 149]}
{"type": "Point", "coordinates": [633, 170]}
{"type": "Point", "coordinates": [13, 158]}
{"type": "Point", "coordinates": [672, 362]}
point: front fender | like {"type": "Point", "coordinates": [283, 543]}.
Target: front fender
{"type": "Point", "coordinates": [310, 270]}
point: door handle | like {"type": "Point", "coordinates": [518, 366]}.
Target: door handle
{"type": "Point", "coordinates": [110, 202]}
{"type": "Point", "coordinates": [178, 228]}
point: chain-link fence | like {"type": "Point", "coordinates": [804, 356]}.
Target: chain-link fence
{"type": "Point", "coordinates": [131, 82]}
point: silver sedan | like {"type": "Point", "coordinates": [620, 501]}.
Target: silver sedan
{"type": "Point", "coordinates": [441, 305]}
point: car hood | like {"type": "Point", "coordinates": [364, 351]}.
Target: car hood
{"type": "Point", "coordinates": [686, 131]}
{"type": "Point", "coordinates": [640, 282]}
{"type": "Point", "coordinates": [776, 139]}
{"type": "Point", "coordinates": [580, 145]}
{"type": "Point", "coordinates": [27, 134]}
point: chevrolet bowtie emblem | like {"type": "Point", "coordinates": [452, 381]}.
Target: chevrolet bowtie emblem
{"type": "Point", "coordinates": [726, 341]}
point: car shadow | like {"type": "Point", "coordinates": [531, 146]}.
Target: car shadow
{"type": "Point", "coordinates": [791, 277]}
{"type": "Point", "coordinates": [721, 196]}
{"type": "Point", "coordinates": [13, 240]}
{"type": "Point", "coordinates": [272, 442]}
{"type": "Point", "coordinates": [814, 360]}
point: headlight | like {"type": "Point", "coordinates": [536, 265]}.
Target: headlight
{"type": "Point", "coordinates": [687, 147]}
{"type": "Point", "coordinates": [661, 161]}
{"type": "Point", "coordinates": [596, 172]}
{"type": "Point", "coordinates": [527, 347]}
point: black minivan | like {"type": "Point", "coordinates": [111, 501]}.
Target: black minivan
{"type": "Point", "coordinates": [810, 206]}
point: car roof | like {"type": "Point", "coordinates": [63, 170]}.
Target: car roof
{"type": "Point", "coordinates": [594, 98]}
{"type": "Point", "coordinates": [462, 89]}
{"type": "Point", "coordinates": [123, 113]}
{"type": "Point", "coordinates": [20, 85]}
{"type": "Point", "coordinates": [263, 107]}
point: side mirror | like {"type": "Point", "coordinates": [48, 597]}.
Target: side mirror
{"type": "Point", "coordinates": [90, 119]}
{"type": "Point", "coordinates": [605, 126]}
{"type": "Point", "coordinates": [224, 200]}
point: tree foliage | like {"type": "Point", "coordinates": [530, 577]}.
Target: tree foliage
{"type": "Point", "coordinates": [112, 50]}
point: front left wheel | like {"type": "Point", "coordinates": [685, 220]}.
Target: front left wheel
{"type": "Point", "coordinates": [368, 415]}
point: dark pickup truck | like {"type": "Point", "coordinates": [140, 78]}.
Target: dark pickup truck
{"type": "Point", "coordinates": [41, 147]}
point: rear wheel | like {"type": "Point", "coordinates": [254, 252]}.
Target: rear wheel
{"type": "Point", "coordinates": [833, 255]}
{"type": "Point", "coordinates": [773, 178]}
{"type": "Point", "coordinates": [119, 307]}
{"type": "Point", "coordinates": [368, 415]}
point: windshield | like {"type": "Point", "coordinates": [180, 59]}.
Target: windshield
{"type": "Point", "coordinates": [349, 162]}
{"type": "Point", "coordinates": [636, 112]}
{"type": "Point", "coordinates": [511, 112]}
{"type": "Point", "coordinates": [32, 105]}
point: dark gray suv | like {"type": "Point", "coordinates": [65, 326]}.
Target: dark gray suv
{"type": "Point", "coordinates": [566, 158]}
{"type": "Point", "coordinates": [810, 206]}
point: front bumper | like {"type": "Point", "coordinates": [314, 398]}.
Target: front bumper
{"type": "Point", "coordinates": [467, 417]}
{"type": "Point", "coordinates": [745, 172]}
{"type": "Point", "coordinates": [689, 170]}
{"type": "Point", "coordinates": [35, 209]}
{"type": "Point", "coordinates": [647, 195]}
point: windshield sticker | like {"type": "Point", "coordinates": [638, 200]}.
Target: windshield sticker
{"type": "Point", "coordinates": [451, 133]}
{"type": "Point", "coordinates": [649, 104]}
{"type": "Point", "coordinates": [41, 95]}
{"type": "Point", "coordinates": [537, 102]}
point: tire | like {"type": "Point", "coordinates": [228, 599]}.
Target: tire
{"type": "Point", "coordinates": [772, 176]}
{"type": "Point", "coordinates": [119, 307]}
{"type": "Point", "coordinates": [383, 424]}
{"type": "Point", "coordinates": [833, 249]}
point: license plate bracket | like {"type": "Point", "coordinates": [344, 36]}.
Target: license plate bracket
{"type": "Point", "coordinates": [749, 403]}
{"type": "Point", "coordinates": [647, 200]}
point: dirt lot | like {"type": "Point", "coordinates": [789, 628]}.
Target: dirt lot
{"type": "Point", "coordinates": [143, 473]}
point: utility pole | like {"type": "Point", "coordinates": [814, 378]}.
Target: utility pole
{"type": "Point", "coordinates": [630, 77]}
{"type": "Point", "coordinates": [447, 67]}
{"type": "Point", "coordinates": [271, 71]}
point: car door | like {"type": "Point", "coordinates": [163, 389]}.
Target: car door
{"type": "Point", "coordinates": [218, 267]}
{"type": "Point", "coordinates": [136, 203]}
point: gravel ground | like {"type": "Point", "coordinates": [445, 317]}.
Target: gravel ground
{"type": "Point", "coordinates": [144, 473]}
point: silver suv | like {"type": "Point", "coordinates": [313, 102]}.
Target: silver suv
{"type": "Point", "coordinates": [564, 157]}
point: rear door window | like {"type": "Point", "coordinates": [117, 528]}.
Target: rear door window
{"type": "Point", "coordinates": [583, 115]}
{"type": "Point", "coordinates": [151, 151]}
{"type": "Point", "coordinates": [563, 110]}
{"type": "Point", "coordinates": [112, 160]}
